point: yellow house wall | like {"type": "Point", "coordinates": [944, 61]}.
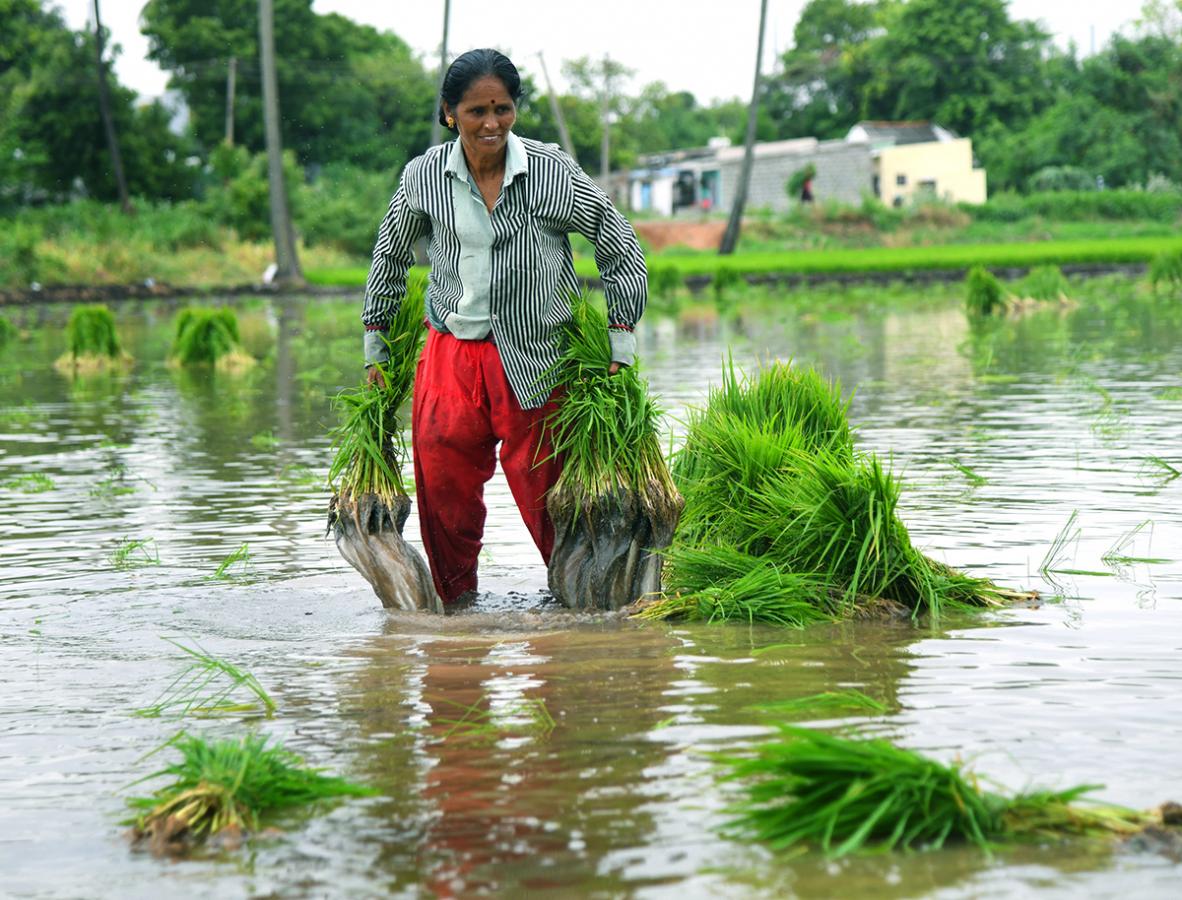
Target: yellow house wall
{"type": "Point", "coordinates": [948, 163]}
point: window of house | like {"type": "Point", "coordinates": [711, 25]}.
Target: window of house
{"type": "Point", "coordinates": [901, 180]}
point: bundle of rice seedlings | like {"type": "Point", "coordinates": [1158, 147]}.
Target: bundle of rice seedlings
{"type": "Point", "coordinates": [7, 331]}
{"type": "Point", "coordinates": [844, 794]}
{"type": "Point", "coordinates": [1045, 284]}
{"type": "Point", "coordinates": [93, 342]}
{"type": "Point", "coordinates": [370, 504]}
{"type": "Point", "coordinates": [1165, 271]}
{"type": "Point", "coordinates": [226, 785]}
{"type": "Point", "coordinates": [208, 337]}
{"type": "Point", "coordinates": [785, 521]}
{"type": "Point", "coordinates": [984, 294]}
{"type": "Point", "coordinates": [614, 502]}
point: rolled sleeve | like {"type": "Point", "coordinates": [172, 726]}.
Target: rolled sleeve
{"type": "Point", "coordinates": [623, 346]}
{"type": "Point", "coordinates": [617, 251]}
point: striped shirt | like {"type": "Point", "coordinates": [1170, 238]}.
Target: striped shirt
{"type": "Point", "coordinates": [531, 270]}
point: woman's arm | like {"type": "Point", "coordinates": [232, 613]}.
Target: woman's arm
{"type": "Point", "coordinates": [619, 258]}
{"type": "Point", "coordinates": [393, 255]}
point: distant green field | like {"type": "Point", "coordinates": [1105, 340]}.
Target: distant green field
{"type": "Point", "coordinates": [872, 259]}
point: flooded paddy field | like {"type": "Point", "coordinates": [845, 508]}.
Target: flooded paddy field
{"type": "Point", "coordinates": [1041, 452]}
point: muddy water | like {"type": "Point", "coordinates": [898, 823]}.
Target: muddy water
{"type": "Point", "coordinates": [1056, 414]}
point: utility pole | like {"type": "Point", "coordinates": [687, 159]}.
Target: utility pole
{"type": "Point", "coordinates": [605, 114]}
{"type": "Point", "coordinates": [105, 111]}
{"type": "Point", "coordinates": [731, 237]}
{"type": "Point", "coordinates": [231, 76]}
{"type": "Point", "coordinates": [286, 262]}
{"type": "Point", "coordinates": [563, 133]}
{"type": "Point", "coordinates": [436, 127]}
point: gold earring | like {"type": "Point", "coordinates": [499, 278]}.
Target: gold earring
{"type": "Point", "coordinates": [451, 123]}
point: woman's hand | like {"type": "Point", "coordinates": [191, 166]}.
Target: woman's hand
{"type": "Point", "coordinates": [374, 376]}
{"type": "Point", "coordinates": [614, 368]}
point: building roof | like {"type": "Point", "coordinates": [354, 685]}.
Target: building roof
{"type": "Point", "coordinates": [892, 134]}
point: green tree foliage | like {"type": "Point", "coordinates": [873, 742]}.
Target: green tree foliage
{"type": "Point", "coordinates": [51, 134]}
{"type": "Point", "coordinates": [348, 92]}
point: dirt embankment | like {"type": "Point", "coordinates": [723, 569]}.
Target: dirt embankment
{"type": "Point", "coordinates": [662, 233]}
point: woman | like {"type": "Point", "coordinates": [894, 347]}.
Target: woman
{"type": "Point", "coordinates": [497, 210]}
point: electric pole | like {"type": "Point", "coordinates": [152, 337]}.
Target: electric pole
{"type": "Point", "coordinates": [105, 111]}
{"type": "Point", "coordinates": [731, 237]}
{"type": "Point", "coordinates": [286, 262]}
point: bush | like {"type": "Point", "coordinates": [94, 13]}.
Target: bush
{"type": "Point", "coordinates": [984, 294]}
{"type": "Point", "coordinates": [240, 198]}
{"type": "Point", "coordinates": [18, 253]}
{"type": "Point", "coordinates": [7, 332]}
{"type": "Point", "coordinates": [1069, 206]}
{"type": "Point", "coordinates": [343, 206]}
{"type": "Point", "coordinates": [1061, 178]}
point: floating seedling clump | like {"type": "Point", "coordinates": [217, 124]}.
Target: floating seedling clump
{"type": "Point", "coordinates": [1043, 286]}
{"type": "Point", "coordinates": [615, 502]}
{"type": "Point", "coordinates": [226, 786]}
{"type": "Point", "coordinates": [786, 521]}
{"type": "Point", "coordinates": [845, 794]}
{"type": "Point", "coordinates": [370, 504]}
{"type": "Point", "coordinates": [93, 342]}
{"type": "Point", "coordinates": [208, 337]}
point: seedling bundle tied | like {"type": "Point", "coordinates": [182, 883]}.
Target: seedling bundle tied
{"type": "Point", "coordinates": [615, 502]}
{"type": "Point", "coordinates": [370, 504]}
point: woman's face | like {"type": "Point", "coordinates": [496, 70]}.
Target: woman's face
{"type": "Point", "coordinates": [484, 117]}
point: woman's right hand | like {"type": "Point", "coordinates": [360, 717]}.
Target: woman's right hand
{"type": "Point", "coordinates": [374, 376]}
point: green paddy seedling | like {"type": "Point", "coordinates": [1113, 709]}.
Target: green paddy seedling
{"type": "Point", "coordinates": [30, 483]}
{"type": "Point", "coordinates": [205, 688]}
{"type": "Point", "coordinates": [240, 558]}
{"type": "Point", "coordinates": [92, 342]}
{"type": "Point", "coordinates": [131, 553]}
{"type": "Point", "coordinates": [229, 786]}
{"type": "Point", "coordinates": [841, 795]}
{"type": "Point", "coordinates": [208, 337]}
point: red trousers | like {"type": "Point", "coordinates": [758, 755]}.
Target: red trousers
{"type": "Point", "coordinates": [464, 406]}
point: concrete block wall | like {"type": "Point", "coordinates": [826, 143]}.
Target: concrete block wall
{"type": "Point", "coordinates": [845, 172]}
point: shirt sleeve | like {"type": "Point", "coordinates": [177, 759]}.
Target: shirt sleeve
{"type": "Point", "coordinates": [393, 254]}
{"type": "Point", "coordinates": [617, 251]}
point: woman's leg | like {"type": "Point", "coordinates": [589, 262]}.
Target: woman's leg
{"type": "Point", "coordinates": [454, 455]}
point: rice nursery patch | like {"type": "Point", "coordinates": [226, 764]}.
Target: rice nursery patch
{"type": "Point", "coordinates": [205, 687]}
{"type": "Point", "coordinates": [803, 788]}
{"type": "Point", "coordinates": [92, 342]}
{"type": "Point", "coordinates": [208, 337]}
{"type": "Point", "coordinates": [370, 503]}
{"type": "Point", "coordinates": [787, 522]}
{"type": "Point", "coordinates": [614, 502]}
{"type": "Point", "coordinates": [221, 787]}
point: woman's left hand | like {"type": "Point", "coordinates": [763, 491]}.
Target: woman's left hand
{"type": "Point", "coordinates": [614, 368]}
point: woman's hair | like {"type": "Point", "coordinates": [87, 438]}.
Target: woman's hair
{"type": "Point", "coordinates": [472, 66]}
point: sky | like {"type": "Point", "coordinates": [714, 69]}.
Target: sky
{"type": "Point", "coordinates": [703, 46]}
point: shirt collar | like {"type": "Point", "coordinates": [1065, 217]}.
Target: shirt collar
{"type": "Point", "coordinates": [516, 159]}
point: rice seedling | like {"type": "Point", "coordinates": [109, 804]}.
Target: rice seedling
{"type": "Point", "coordinates": [1165, 270]}
{"type": "Point", "coordinates": [264, 440]}
{"type": "Point", "coordinates": [1056, 557]}
{"type": "Point", "coordinates": [829, 703]}
{"type": "Point", "coordinates": [240, 557]}
{"type": "Point", "coordinates": [204, 688]}
{"type": "Point", "coordinates": [527, 717]}
{"type": "Point", "coordinates": [1044, 283]}
{"type": "Point", "coordinates": [844, 794]}
{"type": "Point", "coordinates": [1118, 555]}
{"type": "Point", "coordinates": [972, 477]}
{"type": "Point", "coordinates": [7, 332]}
{"type": "Point", "coordinates": [615, 501]}
{"type": "Point", "coordinates": [984, 294]}
{"type": "Point", "coordinates": [132, 553]}
{"type": "Point", "coordinates": [1170, 393]}
{"type": "Point", "coordinates": [370, 503]}
{"type": "Point", "coordinates": [92, 342]}
{"type": "Point", "coordinates": [29, 483]}
{"type": "Point", "coordinates": [226, 786]}
{"type": "Point", "coordinates": [1158, 469]}
{"type": "Point", "coordinates": [785, 521]}
{"type": "Point", "coordinates": [208, 337]}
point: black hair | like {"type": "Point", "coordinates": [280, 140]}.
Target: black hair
{"type": "Point", "coordinates": [472, 66]}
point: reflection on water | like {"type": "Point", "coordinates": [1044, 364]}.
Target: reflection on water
{"type": "Point", "coordinates": [1002, 431]}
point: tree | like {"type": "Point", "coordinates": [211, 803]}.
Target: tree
{"type": "Point", "coordinates": [52, 143]}
{"type": "Point", "coordinates": [601, 81]}
{"type": "Point", "coordinates": [731, 237]}
{"type": "Point", "coordinates": [350, 93]}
